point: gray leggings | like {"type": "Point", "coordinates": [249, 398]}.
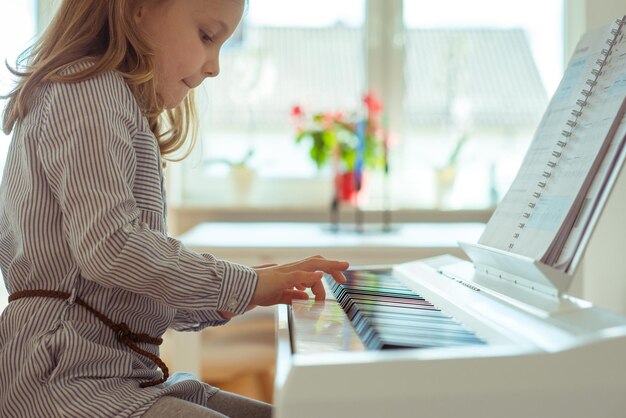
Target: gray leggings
{"type": "Point", "coordinates": [222, 404]}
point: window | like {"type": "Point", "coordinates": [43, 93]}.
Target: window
{"type": "Point", "coordinates": [480, 78]}
{"type": "Point", "coordinates": [444, 70]}
{"type": "Point", "coordinates": [311, 54]}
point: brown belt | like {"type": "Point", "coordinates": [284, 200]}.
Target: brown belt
{"type": "Point", "coordinates": [121, 330]}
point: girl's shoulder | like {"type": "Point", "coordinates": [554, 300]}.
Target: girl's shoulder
{"type": "Point", "coordinates": [106, 90]}
{"type": "Point", "coordinates": [108, 83]}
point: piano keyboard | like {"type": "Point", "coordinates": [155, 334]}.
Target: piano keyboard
{"type": "Point", "coordinates": [335, 349]}
{"type": "Point", "coordinates": [386, 314]}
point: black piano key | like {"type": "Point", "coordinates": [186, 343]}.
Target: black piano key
{"type": "Point", "coordinates": [425, 341]}
{"type": "Point", "coordinates": [379, 295]}
{"type": "Point", "coordinates": [415, 307]}
{"type": "Point", "coordinates": [373, 307]}
{"type": "Point", "coordinates": [406, 293]}
{"type": "Point", "coordinates": [386, 314]}
{"type": "Point", "coordinates": [374, 335]}
{"type": "Point", "coordinates": [393, 312]}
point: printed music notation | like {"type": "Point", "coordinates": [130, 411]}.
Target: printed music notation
{"type": "Point", "coordinates": [544, 213]}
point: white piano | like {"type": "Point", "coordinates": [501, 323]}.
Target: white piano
{"type": "Point", "coordinates": [486, 347]}
{"type": "Point", "coordinates": [497, 336]}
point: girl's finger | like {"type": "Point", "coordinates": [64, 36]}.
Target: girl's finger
{"type": "Point", "coordinates": [318, 290]}
{"type": "Point", "coordinates": [338, 276]}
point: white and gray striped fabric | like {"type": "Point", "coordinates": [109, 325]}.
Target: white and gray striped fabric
{"type": "Point", "coordinates": [82, 207]}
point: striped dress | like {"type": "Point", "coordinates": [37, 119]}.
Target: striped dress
{"type": "Point", "coordinates": [82, 208]}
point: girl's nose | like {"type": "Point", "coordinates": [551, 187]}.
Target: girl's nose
{"type": "Point", "coordinates": [211, 68]}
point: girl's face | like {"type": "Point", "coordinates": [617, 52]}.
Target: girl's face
{"type": "Point", "coordinates": [187, 36]}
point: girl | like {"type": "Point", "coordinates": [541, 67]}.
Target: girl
{"type": "Point", "coordinates": [94, 279]}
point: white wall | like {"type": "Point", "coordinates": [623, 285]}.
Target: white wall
{"type": "Point", "coordinates": [604, 265]}
{"type": "Point", "coordinates": [602, 12]}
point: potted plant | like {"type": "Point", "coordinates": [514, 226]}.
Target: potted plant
{"type": "Point", "coordinates": [349, 143]}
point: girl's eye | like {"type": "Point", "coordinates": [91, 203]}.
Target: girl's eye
{"type": "Point", "coordinates": [205, 37]}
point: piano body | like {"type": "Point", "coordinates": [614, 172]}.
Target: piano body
{"type": "Point", "coordinates": [485, 346]}
{"type": "Point", "coordinates": [496, 336]}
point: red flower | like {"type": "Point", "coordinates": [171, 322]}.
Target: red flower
{"type": "Point", "coordinates": [296, 111]}
{"type": "Point", "coordinates": [297, 114]}
{"type": "Point", "coordinates": [372, 103]}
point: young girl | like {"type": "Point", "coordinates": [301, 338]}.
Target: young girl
{"type": "Point", "coordinates": [94, 279]}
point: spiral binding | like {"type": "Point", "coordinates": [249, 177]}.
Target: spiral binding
{"type": "Point", "coordinates": [569, 130]}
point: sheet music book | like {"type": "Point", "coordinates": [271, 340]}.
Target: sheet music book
{"type": "Point", "coordinates": [547, 210]}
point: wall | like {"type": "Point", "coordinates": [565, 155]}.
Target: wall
{"type": "Point", "coordinates": [604, 266]}
{"type": "Point", "coordinates": [601, 12]}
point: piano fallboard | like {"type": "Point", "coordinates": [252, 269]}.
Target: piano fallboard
{"type": "Point", "coordinates": [541, 357]}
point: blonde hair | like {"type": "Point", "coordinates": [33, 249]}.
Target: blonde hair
{"type": "Point", "coordinates": [105, 34]}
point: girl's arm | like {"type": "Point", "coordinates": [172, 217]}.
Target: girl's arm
{"type": "Point", "coordinates": [93, 149]}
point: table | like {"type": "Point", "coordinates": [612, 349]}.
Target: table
{"type": "Point", "coordinates": [253, 243]}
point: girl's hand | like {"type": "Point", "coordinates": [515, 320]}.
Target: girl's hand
{"type": "Point", "coordinates": [286, 282]}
